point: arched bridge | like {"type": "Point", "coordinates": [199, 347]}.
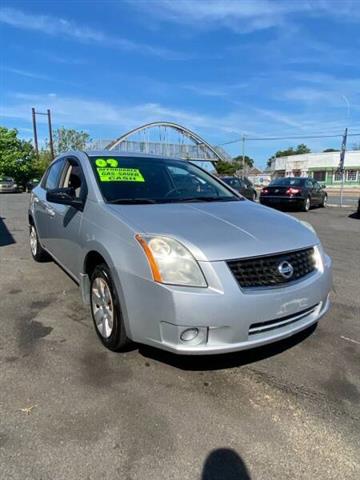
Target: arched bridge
{"type": "Point", "coordinates": [167, 139]}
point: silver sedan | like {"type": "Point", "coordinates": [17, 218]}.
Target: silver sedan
{"type": "Point", "coordinates": [170, 256]}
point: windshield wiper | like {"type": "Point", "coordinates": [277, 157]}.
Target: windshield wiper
{"type": "Point", "coordinates": [132, 201]}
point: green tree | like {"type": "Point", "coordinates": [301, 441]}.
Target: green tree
{"type": "Point", "coordinates": [16, 156]}
{"type": "Point", "coordinates": [330, 150]}
{"type": "Point", "coordinates": [299, 150]}
{"type": "Point", "coordinates": [230, 168]}
{"type": "Point", "coordinates": [69, 139]}
{"type": "Point", "coordinates": [42, 162]}
{"type": "Point", "coordinates": [227, 168]}
{"type": "Point", "coordinates": [249, 162]}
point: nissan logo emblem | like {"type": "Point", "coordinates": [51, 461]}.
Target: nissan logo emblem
{"type": "Point", "coordinates": [285, 269]}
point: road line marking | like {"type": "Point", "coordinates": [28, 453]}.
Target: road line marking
{"type": "Point", "coordinates": [350, 340]}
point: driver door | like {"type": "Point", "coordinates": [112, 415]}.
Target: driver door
{"type": "Point", "coordinates": [64, 235]}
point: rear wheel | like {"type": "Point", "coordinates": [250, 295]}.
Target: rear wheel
{"type": "Point", "coordinates": [306, 205]}
{"type": "Point", "coordinates": [105, 309]}
{"type": "Point", "coordinates": [253, 197]}
{"type": "Point", "coordinates": [37, 252]}
{"type": "Point", "coordinates": [324, 201]}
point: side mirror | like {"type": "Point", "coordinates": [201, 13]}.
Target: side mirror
{"type": "Point", "coordinates": [64, 196]}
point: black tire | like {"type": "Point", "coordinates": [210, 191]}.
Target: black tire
{"type": "Point", "coordinates": [37, 252]}
{"type": "Point", "coordinates": [117, 340]}
{"type": "Point", "coordinates": [306, 204]}
{"type": "Point", "coordinates": [323, 204]}
{"type": "Point", "coordinates": [254, 197]}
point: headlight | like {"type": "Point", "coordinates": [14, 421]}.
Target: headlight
{"type": "Point", "coordinates": [319, 258]}
{"type": "Point", "coordinates": [171, 262]}
{"type": "Point", "coordinates": [15, 185]}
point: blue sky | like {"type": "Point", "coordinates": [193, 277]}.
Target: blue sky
{"type": "Point", "coordinates": [222, 68]}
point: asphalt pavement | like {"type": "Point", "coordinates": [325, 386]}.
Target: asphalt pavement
{"type": "Point", "coordinates": [69, 409]}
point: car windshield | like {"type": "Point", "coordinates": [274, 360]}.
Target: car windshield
{"type": "Point", "coordinates": [139, 180]}
{"type": "Point", "coordinates": [287, 182]}
{"type": "Point", "coordinates": [6, 179]}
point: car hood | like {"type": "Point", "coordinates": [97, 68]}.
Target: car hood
{"type": "Point", "coordinates": [220, 230]}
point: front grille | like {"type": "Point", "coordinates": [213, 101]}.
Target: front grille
{"type": "Point", "coordinates": [262, 327]}
{"type": "Point", "coordinates": [264, 271]}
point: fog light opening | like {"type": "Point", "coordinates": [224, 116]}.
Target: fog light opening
{"type": "Point", "coordinates": [189, 334]}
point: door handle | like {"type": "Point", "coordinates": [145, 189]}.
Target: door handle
{"type": "Point", "coordinates": [50, 211]}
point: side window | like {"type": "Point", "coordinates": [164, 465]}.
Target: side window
{"type": "Point", "coordinates": [317, 185]}
{"type": "Point", "coordinates": [73, 177]}
{"type": "Point", "coordinates": [309, 184]}
{"type": "Point", "coordinates": [53, 175]}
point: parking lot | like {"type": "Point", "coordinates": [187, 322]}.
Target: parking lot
{"type": "Point", "coordinates": [69, 409]}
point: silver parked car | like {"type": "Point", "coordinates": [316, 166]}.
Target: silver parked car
{"type": "Point", "coordinates": [170, 256]}
{"type": "Point", "coordinates": [8, 185]}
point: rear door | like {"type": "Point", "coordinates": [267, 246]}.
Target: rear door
{"type": "Point", "coordinates": [310, 191]}
{"type": "Point", "coordinates": [317, 192]}
{"type": "Point", "coordinates": [64, 231]}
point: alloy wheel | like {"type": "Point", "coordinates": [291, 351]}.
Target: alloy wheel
{"type": "Point", "coordinates": [33, 240]}
{"type": "Point", "coordinates": [102, 306]}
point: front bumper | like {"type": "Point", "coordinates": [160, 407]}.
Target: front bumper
{"type": "Point", "coordinates": [224, 314]}
{"type": "Point", "coordinates": [9, 189]}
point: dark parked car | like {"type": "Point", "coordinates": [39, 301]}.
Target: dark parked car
{"type": "Point", "coordinates": [32, 184]}
{"type": "Point", "coordinates": [8, 185]}
{"type": "Point", "coordinates": [241, 185]}
{"type": "Point", "coordinates": [300, 192]}
{"type": "Point", "coordinates": [358, 209]}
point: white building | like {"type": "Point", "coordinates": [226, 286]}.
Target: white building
{"type": "Point", "coordinates": [322, 166]}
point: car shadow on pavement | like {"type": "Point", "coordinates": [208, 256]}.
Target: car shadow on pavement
{"type": "Point", "coordinates": [226, 360]}
{"type": "Point", "coordinates": [5, 236]}
{"type": "Point", "coordinates": [355, 215]}
{"type": "Point", "coordinates": [224, 464]}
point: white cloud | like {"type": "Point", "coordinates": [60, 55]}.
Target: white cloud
{"type": "Point", "coordinates": [214, 90]}
{"type": "Point", "coordinates": [245, 16]}
{"type": "Point", "coordinates": [68, 29]}
{"type": "Point", "coordinates": [26, 73]}
{"type": "Point", "coordinates": [93, 114]}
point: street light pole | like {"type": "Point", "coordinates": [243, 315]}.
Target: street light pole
{"type": "Point", "coordinates": [243, 155]}
{"type": "Point", "coordinates": [342, 165]}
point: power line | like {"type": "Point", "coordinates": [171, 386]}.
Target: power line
{"type": "Point", "coordinates": [301, 137]}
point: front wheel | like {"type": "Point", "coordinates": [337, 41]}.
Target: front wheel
{"type": "Point", "coordinates": [37, 252]}
{"type": "Point", "coordinates": [306, 204]}
{"type": "Point", "coordinates": [105, 310]}
{"type": "Point", "coordinates": [324, 201]}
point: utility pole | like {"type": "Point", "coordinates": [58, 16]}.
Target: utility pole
{"type": "Point", "coordinates": [50, 135]}
{"type": "Point", "coordinates": [243, 155]}
{"type": "Point", "coordinates": [341, 165]}
{"type": "Point", "coordinates": [48, 114]}
{"type": "Point", "coordinates": [35, 132]}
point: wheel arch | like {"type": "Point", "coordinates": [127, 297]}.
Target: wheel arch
{"type": "Point", "coordinates": [95, 255]}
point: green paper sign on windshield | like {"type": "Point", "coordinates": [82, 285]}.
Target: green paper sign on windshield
{"type": "Point", "coordinates": [109, 162]}
{"type": "Point", "coordinates": [119, 174]}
